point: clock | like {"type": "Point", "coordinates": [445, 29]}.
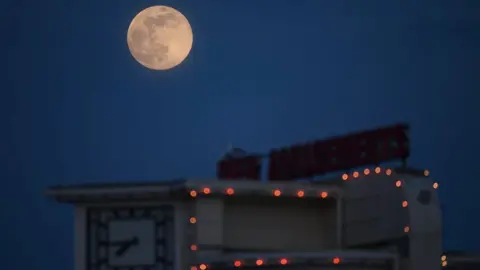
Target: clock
{"type": "Point", "coordinates": [130, 238]}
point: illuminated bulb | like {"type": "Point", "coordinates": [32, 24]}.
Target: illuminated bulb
{"type": "Point", "coordinates": [406, 229]}
{"type": "Point", "coordinates": [237, 263]}
{"type": "Point", "coordinates": [345, 177]}
{"type": "Point", "coordinates": [206, 190]}
{"type": "Point", "coordinates": [426, 173]}
{"type": "Point", "coordinates": [259, 262]}
{"type": "Point", "coordinates": [443, 258]}
{"type": "Point", "coordinates": [336, 260]}
{"type": "Point", "coordinates": [193, 268]}
{"type": "Point", "coordinates": [378, 170]}
{"type": "Point", "coordinates": [203, 267]}
{"type": "Point", "coordinates": [398, 183]}
{"type": "Point", "coordinates": [193, 247]}
{"type": "Point", "coordinates": [444, 264]}
{"type": "Point", "coordinates": [435, 185]}
{"type": "Point", "coordinates": [404, 204]}
{"type": "Point", "coordinates": [324, 194]}
{"type": "Point", "coordinates": [388, 172]}
{"type": "Point", "coordinates": [366, 171]}
{"type": "Point", "coordinates": [300, 193]}
{"type": "Point", "coordinates": [230, 191]}
{"type": "Point", "coordinates": [283, 261]}
{"type": "Point", "coordinates": [193, 193]}
{"type": "Point", "coordinates": [355, 175]}
{"type": "Point", "coordinates": [193, 220]}
{"type": "Point", "coordinates": [277, 193]}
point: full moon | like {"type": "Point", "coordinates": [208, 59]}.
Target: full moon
{"type": "Point", "coordinates": [160, 37]}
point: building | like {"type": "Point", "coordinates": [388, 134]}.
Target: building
{"type": "Point", "coordinates": [368, 218]}
{"type": "Point", "coordinates": [378, 218]}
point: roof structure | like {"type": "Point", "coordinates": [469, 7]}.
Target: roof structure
{"type": "Point", "coordinates": [184, 188]}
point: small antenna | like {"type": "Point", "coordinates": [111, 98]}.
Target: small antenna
{"type": "Point", "coordinates": [229, 147]}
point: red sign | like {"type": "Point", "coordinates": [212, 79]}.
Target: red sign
{"type": "Point", "coordinates": [370, 147]}
{"type": "Point", "coordinates": [248, 167]}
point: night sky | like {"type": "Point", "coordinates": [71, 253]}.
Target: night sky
{"type": "Point", "coordinates": [76, 108]}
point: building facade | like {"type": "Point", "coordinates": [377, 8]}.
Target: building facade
{"type": "Point", "coordinates": [377, 218]}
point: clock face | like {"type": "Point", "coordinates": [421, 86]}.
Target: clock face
{"type": "Point", "coordinates": [130, 238]}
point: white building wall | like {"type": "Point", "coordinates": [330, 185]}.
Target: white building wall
{"type": "Point", "coordinates": [425, 223]}
{"type": "Point", "coordinates": [209, 213]}
{"type": "Point", "coordinates": [280, 225]}
{"type": "Point", "coordinates": [80, 238]}
{"type": "Point", "coordinates": [373, 210]}
{"type": "Point", "coordinates": [374, 213]}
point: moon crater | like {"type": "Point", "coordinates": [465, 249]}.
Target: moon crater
{"type": "Point", "coordinates": [160, 37]}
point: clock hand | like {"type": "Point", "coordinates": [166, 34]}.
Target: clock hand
{"type": "Point", "coordinates": [118, 243]}
{"type": "Point", "coordinates": [133, 240]}
{"type": "Point", "coordinates": [126, 245]}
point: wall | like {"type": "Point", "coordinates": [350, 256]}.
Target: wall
{"type": "Point", "coordinates": [264, 224]}
{"type": "Point", "coordinates": [289, 224]}
{"type": "Point", "coordinates": [373, 210]}
{"type": "Point", "coordinates": [376, 219]}
{"type": "Point", "coordinates": [425, 222]}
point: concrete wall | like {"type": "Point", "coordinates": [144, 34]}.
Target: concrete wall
{"type": "Point", "coordinates": [267, 224]}
{"type": "Point", "coordinates": [280, 225]}
{"type": "Point", "coordinates": [80, 238]}
{"type": "Point", "coordinates": [375, 217]}
{"type": "Point", "coordinates": [373, 210]}
{"type": "Point", "coordinates": [209, 213]}
{"type": "Point", "coordinates": [425, 222]}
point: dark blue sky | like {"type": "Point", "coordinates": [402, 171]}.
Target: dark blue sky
{"type": "Point", "coordinates": [76, 107]}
